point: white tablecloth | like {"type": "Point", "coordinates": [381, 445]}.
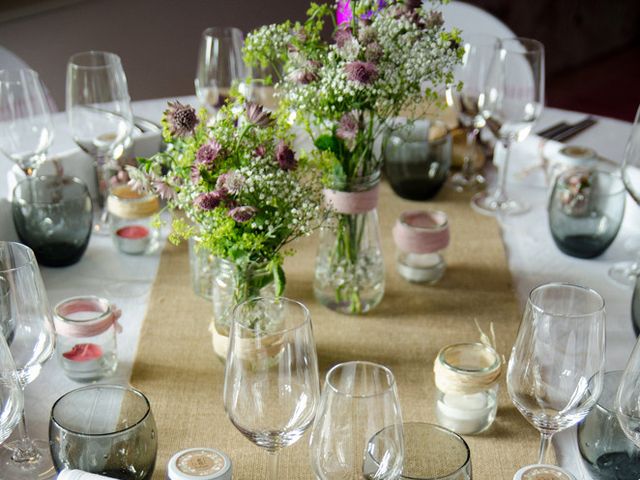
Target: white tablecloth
{"type": "Point", "coordinates": [533, 259]}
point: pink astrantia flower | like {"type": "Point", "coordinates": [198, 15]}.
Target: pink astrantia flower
{"type": "Point", "coordinates": [208, 153]}
{"type": "Point", "coordinates": [285, 157]}
{"type": "Point", "coordinates": [182, 119]}
{"type": "Point", "coordinates": [243, 214]}
{"type": "Point", "coordinates": [209, 200]}
{"type": "Point", "coordinates": [257, 115]}
{"type": "Point", "coordinates": [347, 127]}
{"type": "Point", "coordinates": [164, 190]}
{"type": "Point", "coordinates": [230, 182]}
{"type": "Point", "coordinates": [260, 151]}
{"type": "Point", "coordinates": [361, 72]}
{"type": "Point", "coordinates": [342, 35]}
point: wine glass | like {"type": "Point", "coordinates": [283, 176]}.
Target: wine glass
{"type": "Point", "coordinates": [220, 66]}
{"type": "Point", "coordinates": [271, 385]}
{"type": "Point", "coordinates": [31, 344]}
{"type": "Point", "coordinates": [479, 53]}
{"type": "Point", "coordinates": [627, 406]}
{"type": "Point", "coordinates": [359, 400]}
{"type": "Point", "coordinates": [627, 272]}
{"type": "Point", "coordinates": [25, 120]}
{"type": "Point", "coordinates": [511, 104]}
{"type": "Point", "coordinates": [11, 396]}
{"type": "Point", "coordinates": [99, 115]}
{"type": "Point", "coordinates": [559, 348]}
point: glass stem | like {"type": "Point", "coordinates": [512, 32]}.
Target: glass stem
{"type": "Point", "coordinates": [25, 450]}
{"type": "Point", "coordinates": [545, 441]}
{"type": "Point", "coordinates": [274, 460]}
{"type": "Point", "coordinates": [500, 194]}
{"type": "Point", "coordinates": [468, 164]}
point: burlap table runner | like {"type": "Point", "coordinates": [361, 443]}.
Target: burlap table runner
{"type": "Point", "coordinates": [176, 367]}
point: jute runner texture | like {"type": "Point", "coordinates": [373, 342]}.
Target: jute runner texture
{"type": "Point", "coordinates": [176, 367]}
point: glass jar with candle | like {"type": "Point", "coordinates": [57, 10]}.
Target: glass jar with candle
{"type": "Point", "coordinates": [86, 337]}
{"type": "Point", "coordinates": [467, 376]}
{"type": "Point", "coordinates": [421, 237]}
{"type": "Point", "coordinates": [131, 220]}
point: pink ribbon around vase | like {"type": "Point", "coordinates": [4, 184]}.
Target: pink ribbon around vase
{"type": "Point", "coordinates": [421, 231]}
{"type": "Point", "coordinates": [107, 315]}
{"type": "Point", "coordinates": [352, 203]}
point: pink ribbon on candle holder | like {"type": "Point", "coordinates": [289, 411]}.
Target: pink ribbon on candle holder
{"type": "Point", "coordinates": [421, 231]}
{"type": "Point", "coordinates": [109, 315]}
{"type": "Point", "coordinates": [352, 203]}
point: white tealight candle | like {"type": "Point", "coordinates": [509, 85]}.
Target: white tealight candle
{"type": "Point", "coordinates": [465, 414]}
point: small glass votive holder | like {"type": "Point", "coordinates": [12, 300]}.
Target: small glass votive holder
{"type": "Point", "coordinates": [86, 337]}
{"type": "Point", "coordinates": [585, 209]}
{"type": "Point", "coordinates": [420, 238]}
{"type": "Point", "coordinates": [605, 450]}
{"type": "Point", "coordinates": [431, 452]}
{"type": "Point", "coordinates": [131, 220]}
{"type": "Point", "coordinates": [466, 376]}
{"type": "Point", "coordinates": [106, 430]}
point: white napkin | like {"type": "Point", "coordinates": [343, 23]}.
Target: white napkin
{"type": "Point", "coordinates": [79, 475]}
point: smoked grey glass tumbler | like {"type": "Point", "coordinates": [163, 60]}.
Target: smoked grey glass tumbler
{"type": "Point", "coordinates": [104, 429]}
{"type": "Point", "coordinates": [53, 216]}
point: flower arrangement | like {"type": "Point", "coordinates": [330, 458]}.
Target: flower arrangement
{"type": "Point", "coordinates": [245, 194]}
{"type": "Point", "coordinates": [385, 56]}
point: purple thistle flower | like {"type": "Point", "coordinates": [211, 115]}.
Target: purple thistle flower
{"type": "Point", "coordinates": [165, 191]}
{"type": "Point", "coordinates": [347, 127]}
{"type": "Point", "coordinates": [208, 153]}
{"type": "Point", "coordinates": [361, 72]}
{"type": "Point", "coordinates": [231, 182]}
{"type": "Point", "coordinates": [182, 119]}
{"type": "Point", "coordinates": [285, 157]}
{"type": "Point", "coordinates": [342, 35]}
{"type": "Point", "coordinates": [243, 214]}
{"type": "Point", "coordinates": [257, 116]}
{"type": "Point", "coordinates": [209, 200]}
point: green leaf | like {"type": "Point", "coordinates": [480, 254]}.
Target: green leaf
{"type": "Point", "coordinates": [327, 142]}
{"type": "Point", "coordinates": [278, 278]}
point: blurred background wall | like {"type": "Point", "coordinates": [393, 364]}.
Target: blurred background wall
{"type": "Point", "coordinates": [592, 46]}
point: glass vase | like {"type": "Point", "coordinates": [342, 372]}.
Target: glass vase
{"type": "Point", "coordinates": [201, 268]}
{"type": "Point", "coordinates": [233, 284]}
{"type": "Point", "coordinates": [349, 271]}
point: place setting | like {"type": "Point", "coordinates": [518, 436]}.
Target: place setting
{"type": "Point", "coordinates": [354, 252]}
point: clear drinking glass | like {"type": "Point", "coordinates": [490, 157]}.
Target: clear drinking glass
{"type": "Point", "coordinates": [431, 452]}
{"type": "Point", "coordinates": [271, 384]}
{"type": "Point", "coordinates": [11, 395]}
{"type": "Point", "coordinates": [104, 429]}
{"type": "Point", "coordinates": [25, 120]}
{"type": "Point", "coordinates": [99, 115]}
{"type": "Point", "coordinates": [31, 345]}
{"type": "Point", "coordinates": [359, 400]}
{"type": "Point", "coordinates": [511, 104]}
{"type": "Point", "coordinates": [626, 272]}
{"type": "Point", "coordinates": [479, 53]}
{"type": "Point", "coordinates": [220, 65]}
{"type": "Point", "coordinates": [559, 348]}
{"type": "Point", "coordinates": [627, 405]}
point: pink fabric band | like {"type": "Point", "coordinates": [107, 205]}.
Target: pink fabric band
{"type": "Point", "coordinates": [421, 231]}
{"type": "Point", "coordinates": [352, 202]}
{"type": "Point", "coordinates": [107, 315]}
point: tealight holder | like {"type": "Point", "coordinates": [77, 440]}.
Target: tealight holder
{"type": "Point", "coordinates": [86, 337]}
{"type": "Point", "coordinates": [421, 238]}
{"type": "Point", "coordinates": [466, 376]}
{"type": "Point", "coordinates": [131, 220]}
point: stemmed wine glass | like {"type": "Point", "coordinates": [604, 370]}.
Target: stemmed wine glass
{"type": "Point", "coordinates": [271, 385]}
{"type": "Point", "coordinates": [511, 104]}
{"type": "Point", "coordinates": [220, 65]}
{"type": "Point", "coordinates": [627, 405]}
{"type": "Point", "coordinates": [559, 348]}
{"type": "Point", "coordinates": [627, 272]}
{"type": "Point", "coordinates": [479, 53]}
{"type": "Point", "coordinates": [99, 115]}
{"type": "Point", "coordinates": [31, 339]}
{"type": "Point", "coordinates": [25, 120]}
{"type": "Point", "coordinates": [358, 430]}
{"type": "Point", "coordinates": [11, 395]}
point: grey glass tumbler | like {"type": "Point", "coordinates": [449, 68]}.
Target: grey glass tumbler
{"type": "Point", "coordinates": [104, 429]}
{"type": "Point", "coordinates": [605, 450]}
{"type": "Point", "coordinates": [53, 216]}
{"type": "Point", "coordinates": [585, 211]}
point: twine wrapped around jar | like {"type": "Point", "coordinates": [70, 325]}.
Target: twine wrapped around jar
{"type": "Point", "coordinates": [467, 368]}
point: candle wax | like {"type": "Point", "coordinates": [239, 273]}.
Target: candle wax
{"type": "Point", "coordinates": [133, 232]}
{"type": "Point", "coordinates": [465, 413]}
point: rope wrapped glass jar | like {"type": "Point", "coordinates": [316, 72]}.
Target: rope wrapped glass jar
{"type": "Point", "coordinates": [131, 220]}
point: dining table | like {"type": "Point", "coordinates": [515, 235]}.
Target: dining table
{"type": "Point", "coordinates": [531, 255]}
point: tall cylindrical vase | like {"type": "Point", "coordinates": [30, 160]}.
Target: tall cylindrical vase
{"type": "Point", "coordinates": [349, 272]}
{"type": "Point", "coordinates": [233, 284]}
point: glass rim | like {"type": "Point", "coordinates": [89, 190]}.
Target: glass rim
{"type": "Point", "coordinates": [41, 178]}
{"type": "Point", "coordinates": [386, 370]}
{"type": "Point", "coordinates": [103, 302]}
{"type": "Point", "coordinates": [227, 31]}
{"type": "Point", "coordinates": [305, 311]}
{"type": "Point", "coordinates": [441, 220]}
{"type": "Point", "coordinates": [99, 386]}
{"type": "Point", "coordinates": [13, 73]}
{"type": "Point", "coordinates": [20, 246]}
{"type": "Point", "coordinates": [467, 371]}
{"type": "Point", "coordinates": [113, 59]}
{"type": "Point", "coordinates": [523, 42]}
{"type": "Point", "coordinates": [573, 286]}
{"type": "Point", "coordinates": [481, 40]}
